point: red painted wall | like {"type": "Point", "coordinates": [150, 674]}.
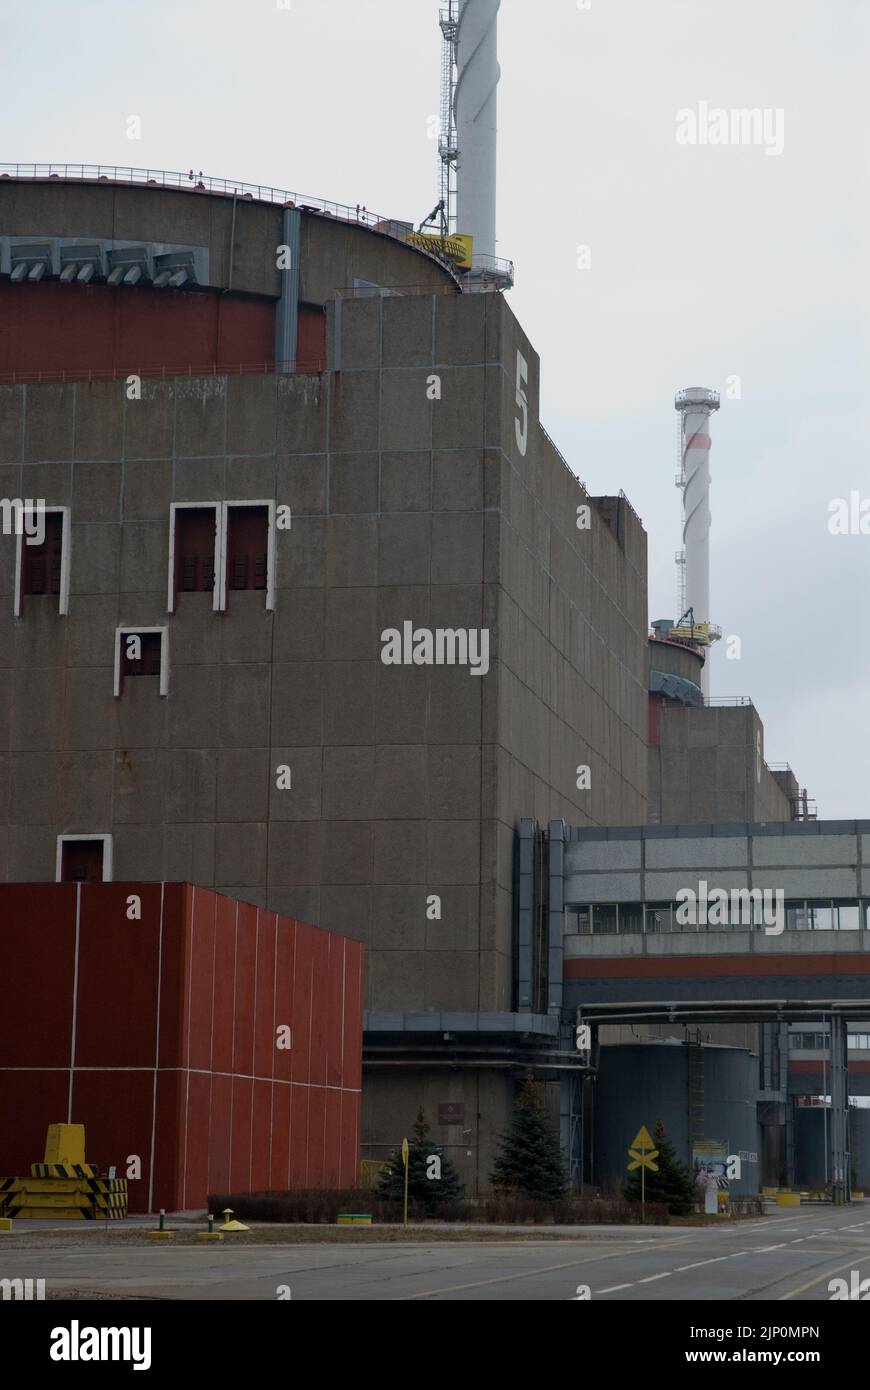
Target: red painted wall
{"type": "Point", "coordinates": [49, 327]}
{"type": "Point", "coordinates": [159, 1036]}
{"type": "Point", "coordinates": [311, 339]}
{"type": "Point", "coordinates": [808, 1065]}
{"type": "Point", "coordinates": [654, 720]}
{"type": "Point", "coordinates": [76, 329]}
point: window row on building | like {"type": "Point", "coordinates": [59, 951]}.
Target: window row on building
{"type": "Point", "coordinates": [823, 914]}
{"type": "Point", "coordinates": [214, 547]}
{"type": "Point", "coordinates": [821, 1042]}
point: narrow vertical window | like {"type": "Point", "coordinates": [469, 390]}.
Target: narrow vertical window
{"type": "Point", "coordinates": [247, 547]}
{"type": "Point", "coordinates": [43, 564]}
{"type": "Point", "coordinates": [194, 550]}
{"type": "Point", "coordinates": [43, 559]}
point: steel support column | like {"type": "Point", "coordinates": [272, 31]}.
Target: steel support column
{"type": "Point", "coordinates": [558, 834]}
{"type": "Point", "coordinates": [287, 310]}
{"type": "Point", "coordinates": [839, 1136]}
{"type": "Point", "coordinates": [525, 898]}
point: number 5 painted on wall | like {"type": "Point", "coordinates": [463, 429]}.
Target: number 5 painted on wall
{"type": "Point", "coordinates": [521, 423]}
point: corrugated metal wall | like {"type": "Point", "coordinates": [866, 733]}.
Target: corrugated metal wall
{"type": "Point", "coordinates": [159, 1035]}
{"type": "Point", "coordinates": [49, 327]}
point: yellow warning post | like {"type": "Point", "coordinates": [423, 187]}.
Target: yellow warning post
{"type": "Point", "coordinates": [642, 1153]}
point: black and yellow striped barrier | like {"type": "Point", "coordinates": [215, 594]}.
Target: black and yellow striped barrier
{"type": "Point", "coordinates": [64, 1170]}
{"type": "Point", "coordinates": [64, 1198]}
{"type": "Point", "coordinates": [63, 1186]}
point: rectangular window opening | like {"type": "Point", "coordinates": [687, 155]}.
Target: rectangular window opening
{"type": "Point", "coordinates": [194, 542]}
{"type": "Point", "coordinates": [43, 569]}
{"type": "Point", "coordinates": [247, 547]}
{"type": "Point", "coordinates": [85, 859]}
{"type": "Point", "coordinates": [141, 652]}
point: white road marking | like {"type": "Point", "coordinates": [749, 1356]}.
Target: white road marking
{"type": "Point", "coordinates": [737, 1254]}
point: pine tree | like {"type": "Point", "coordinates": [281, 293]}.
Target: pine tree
{"type": "Point", "coordinates": [531, 1158]}
{"type": "Point", "coordinates": [672, 1184]}
{"type": "Point", "coordinates": [426, 1191]}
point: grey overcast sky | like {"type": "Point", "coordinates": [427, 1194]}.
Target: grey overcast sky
{"type": "Point", "coordinates": [707, 262]}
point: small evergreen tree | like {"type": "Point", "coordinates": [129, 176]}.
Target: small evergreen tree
{"type": "Point", "coordinates": [531, 1158]}
{"type": "Point", "coordinates": [427, 1191]}
{"type": "Point", "coordinates": [672, 1184]}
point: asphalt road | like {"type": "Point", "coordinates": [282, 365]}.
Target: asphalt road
{"type": "Point", "coordinates": [790, 1258]}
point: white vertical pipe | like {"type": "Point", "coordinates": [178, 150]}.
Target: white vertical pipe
{"type": "Point", "coordinates": [476, 121]}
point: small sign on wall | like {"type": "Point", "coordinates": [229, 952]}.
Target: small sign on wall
{"type": "Point", "coordinates": [451, 1113]}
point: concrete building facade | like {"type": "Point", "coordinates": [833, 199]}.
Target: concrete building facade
{"type": "Point", "coordinates": [259, 743]}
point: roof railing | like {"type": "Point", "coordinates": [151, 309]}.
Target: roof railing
{"type": "Point", "coordinates": [630, 507]}
{"type": "Point", "coordinates": [391, 291]}
{"type": "Point", "coordinates": [191, 182]}
{"type": "Point", "coordinates": [558, 452]}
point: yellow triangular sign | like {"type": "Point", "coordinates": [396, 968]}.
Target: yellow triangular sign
{"type": "Point", "coordinates": [643, 1139]}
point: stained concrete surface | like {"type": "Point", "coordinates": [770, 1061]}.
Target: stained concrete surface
{"type": "Point", "coordinates": [776, 1258]}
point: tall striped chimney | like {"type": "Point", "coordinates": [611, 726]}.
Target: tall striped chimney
{"type": "Point", "coordinates": [696, 404]}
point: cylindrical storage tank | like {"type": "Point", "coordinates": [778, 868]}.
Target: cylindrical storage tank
{"type": "Point", "coordinates": [859, 1131]}
{"type": "Point", "coordinates": [812, 1136]}
{"type": "Point", "coordinates": [641, 1083]}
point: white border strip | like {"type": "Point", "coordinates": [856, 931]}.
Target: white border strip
{"type": "Point", "coordinates": [156, 1056]}
{"type": "Point", "coordinates": [75, 1005]}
